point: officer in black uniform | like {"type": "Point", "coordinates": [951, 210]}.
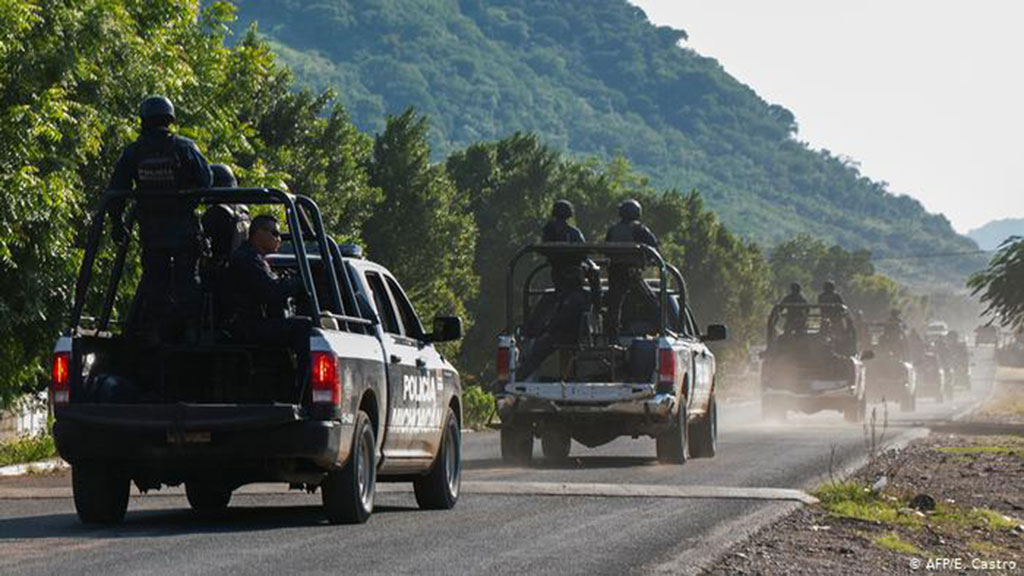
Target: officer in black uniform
{"type": "Point", "coordinates": [259, 297]}
{"type": "Point", "coordinates": [626, 277]}
{"type": "Point", "coordinates": [830, 315]}
{"type": "Point", "coordinates": [226, 226]}
{"type": "Point", "coordinates": [556, 319]}
{"type": "Point", "coordinates": [796, 318]}
{"type": "Point", "coordinates": [169, 229]}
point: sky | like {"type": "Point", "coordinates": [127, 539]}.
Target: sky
{"type": "Point", "coordinates": [926, 95]}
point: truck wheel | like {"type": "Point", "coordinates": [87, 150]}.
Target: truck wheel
{"type": "Point", "coordinates": [704, 433]}
{"type": "Point", "coordinates": [348, 493]}
{"type": "Point", "coordinates": [439, 490]}
{"type": "Point", "coordinates": [100, 492]}
{"type": "Point", "coordinates": [908, 401]}
{"type": "Point", "coordinates": [206, 497]}
{"type": "Point", "coordinates": [856, 409]}
{"type": "Point", "coordinates": [772, 410]}
{"type": "Point", "coordinates": [516, 444]}
{"type": "Point", "coordinates": [555, 443]}
{"type": "Point", "coordinates": [673, 447]}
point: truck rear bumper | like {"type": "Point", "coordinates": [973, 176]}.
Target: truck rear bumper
{"type": "Point", "coordinates": [222, 436]}
{"type": "Point", "coordinates": [647, 404]}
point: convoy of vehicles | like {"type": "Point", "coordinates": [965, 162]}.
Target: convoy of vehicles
{"type": "Point", "coordinates": [377, 403]}
{"type": "Point", "coordinates": [654, 376]}
{"type": "Point", "coordinates": [812, 362]}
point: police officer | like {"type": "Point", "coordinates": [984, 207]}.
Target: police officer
{"type": "Point", "coordinates": [259, 297]}
{"type": "Point", "coordinates": [829, 295]}
{"type": "Point", "coordinates": [795, 295]}
{"type": "Point", "coordinates": [623, 276]}
{"type": "Point", "coordinates": [226, 226]}
{"type": "Point", "coordinates": [556, 319]}
{"type": "Point", "coordinates": [169, 229]}
{"type": "Point", "coordinates": [796, 318]}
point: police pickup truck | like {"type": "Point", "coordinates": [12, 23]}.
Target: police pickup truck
{"type": "Point", "coordinates": [377, 401]}
{"type": "Point", "coordinates": [652, 374]}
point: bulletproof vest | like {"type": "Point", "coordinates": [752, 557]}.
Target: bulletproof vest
{"type": "Point", "coordinates": [623, 232]}
{"type": "Point", "coordinates": [164, 221]}
{"type": "Point", "coordinates": [566, 272]}
{"type": "Point", "coordinates": [226, 226]}
{"type": "Point", "coordinates": [159, 166]}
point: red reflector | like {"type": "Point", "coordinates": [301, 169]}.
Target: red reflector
{"type": "Point", "coordinates": [326, 383]}
{"type": "Point", "coordinates": [667, 366]}
{"type": "Point", "coordinates": [503, 362]}
{"type": "Point", "coordinates": [60, 376]}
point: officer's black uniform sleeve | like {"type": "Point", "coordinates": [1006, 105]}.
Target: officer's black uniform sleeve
{"type": "Point", "coordinates": [576, 237]}
{"type": "Point", "coordinates": [643, 235]}
{"type": "Point", "coordinates": [122, 179]}
{"type": "Point", "coordinates": [202, 174]}
{"type": "Point", "coordinates": [252, 275]}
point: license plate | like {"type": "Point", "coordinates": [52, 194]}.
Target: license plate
{"type": "Point", "coordinates": [188, 438]}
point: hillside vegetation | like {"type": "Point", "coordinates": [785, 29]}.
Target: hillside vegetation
{"type": "Point", "coordinates": [597, 78]}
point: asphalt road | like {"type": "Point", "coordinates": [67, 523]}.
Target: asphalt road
{"type": "Point", "coordinates": [623, 515]}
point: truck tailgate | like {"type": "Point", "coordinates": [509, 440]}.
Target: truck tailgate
{"type": "Point", "coordinates": [583, 392]}
{"type": "Point", "coordinates": [180, 416]}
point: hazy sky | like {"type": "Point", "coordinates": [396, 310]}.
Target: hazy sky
{"type": "Point", "coordinates": [927, 95]}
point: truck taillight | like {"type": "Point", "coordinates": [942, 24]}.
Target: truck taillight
{"type": "Point", "coordinates": [326, 382]}
{"type": "Point", "coordinates": [60, 378]}
{"type": "Point", "coordinates": [504, 362]}
{"type": "Point", "coordinates": [666, 366]}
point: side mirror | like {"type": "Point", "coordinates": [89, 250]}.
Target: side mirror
{"type": "Point", "coordinates": [446, 329]}
{"type": "Point", "coordinates": [867, 355]}
{"type": "Point", "coordinates": [715, 333]}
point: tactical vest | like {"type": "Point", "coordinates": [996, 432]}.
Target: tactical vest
{"type": "Point", "coordinates": [164, 221]}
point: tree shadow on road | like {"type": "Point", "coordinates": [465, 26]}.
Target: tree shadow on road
{"type": "Point", "coordinates": [175, 522]}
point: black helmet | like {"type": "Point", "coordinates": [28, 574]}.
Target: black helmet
{"type": "Point", "coordinates": [223, 177]}
{"type": "Point", "coordinates": [630, 210]}
{"type": "Point", "coordinates": [562, 210]}
{"type": "Point", "coordinates": [795, 288]}
{"type": "Point", "coordinates": [829, 286]}
{"type": "Point", "coordinates": [155, 107]}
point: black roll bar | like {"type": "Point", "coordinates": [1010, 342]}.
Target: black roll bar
{"type": "Point", "coordinates": [586, 249]}
{"type": "Point", "coordinates": [257, 196]}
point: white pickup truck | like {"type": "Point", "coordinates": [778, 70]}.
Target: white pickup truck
{"type": "Point", "coordinates": [377, 401]}
{"type": "Point", "coordinates": [653, 376]}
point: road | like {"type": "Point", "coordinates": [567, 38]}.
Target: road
{"type": "Point", "coordinates": [622, 513]}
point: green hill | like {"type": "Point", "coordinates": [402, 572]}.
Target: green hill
{"type": "Point", "coordinates": [597, 78]}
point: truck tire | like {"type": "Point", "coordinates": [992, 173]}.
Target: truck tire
{"type": "Point", "coordinates": [703, 434]}
{"type": "Point", "coordinates": [855, 410]}
{"type": "Point", "coordinates": [516, 444]}
{"type": "Point", "coordinates": [908, 401]}
{"type": "Point", "coordinates": [206, 497]}
{"type": "Point", "coordinates": [348, 493]}
{"type": "Point", "coordinates": [439, 489]}
{"type": "Point", "coordinates": [672, 445]}
{"type": "Point", "coordinates": [772, 410]}
{"type": "Point", "coordinates": [555, 443]}
{"type": "Point", "coordinates": [100, 493]}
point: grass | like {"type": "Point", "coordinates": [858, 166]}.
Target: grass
{"type": "Point", "coordinates": [27, 449]}
{"type": "Point", "coordinates": [893, 542]}
{"type": "Point", "coordinates": [853, 500]}
{"type": "Point", "coordinates": [1016, 451]}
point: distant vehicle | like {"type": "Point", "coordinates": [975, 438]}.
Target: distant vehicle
{"type": "Point", "coordinates": [986, 335]}
{"type": "Point", "coordinates": [891, 375]}
{"type": "Point", "coordinates": [812, 362]}
{"type": "Point", "coordinates": [932, 379]}
{"type": "Point", "coordinates": [655, 377]}
{"type": "Point", "coordinates": [936, 329]}
{"type": "Point", "coordinates": [377, 401]}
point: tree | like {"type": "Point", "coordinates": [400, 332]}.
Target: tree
{"type": "Point", "coordinates": [422, 229]}
{"type": "Point", "coordinates": [1001, 285]}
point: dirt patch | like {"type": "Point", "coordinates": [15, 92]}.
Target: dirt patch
{"type": "Point", "coordinates": [868, 524]}
{"type": "Point", "coordinates": [1004, 406]}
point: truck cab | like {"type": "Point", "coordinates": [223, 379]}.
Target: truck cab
{"type": "Point", "coordinates": [375, 402]}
